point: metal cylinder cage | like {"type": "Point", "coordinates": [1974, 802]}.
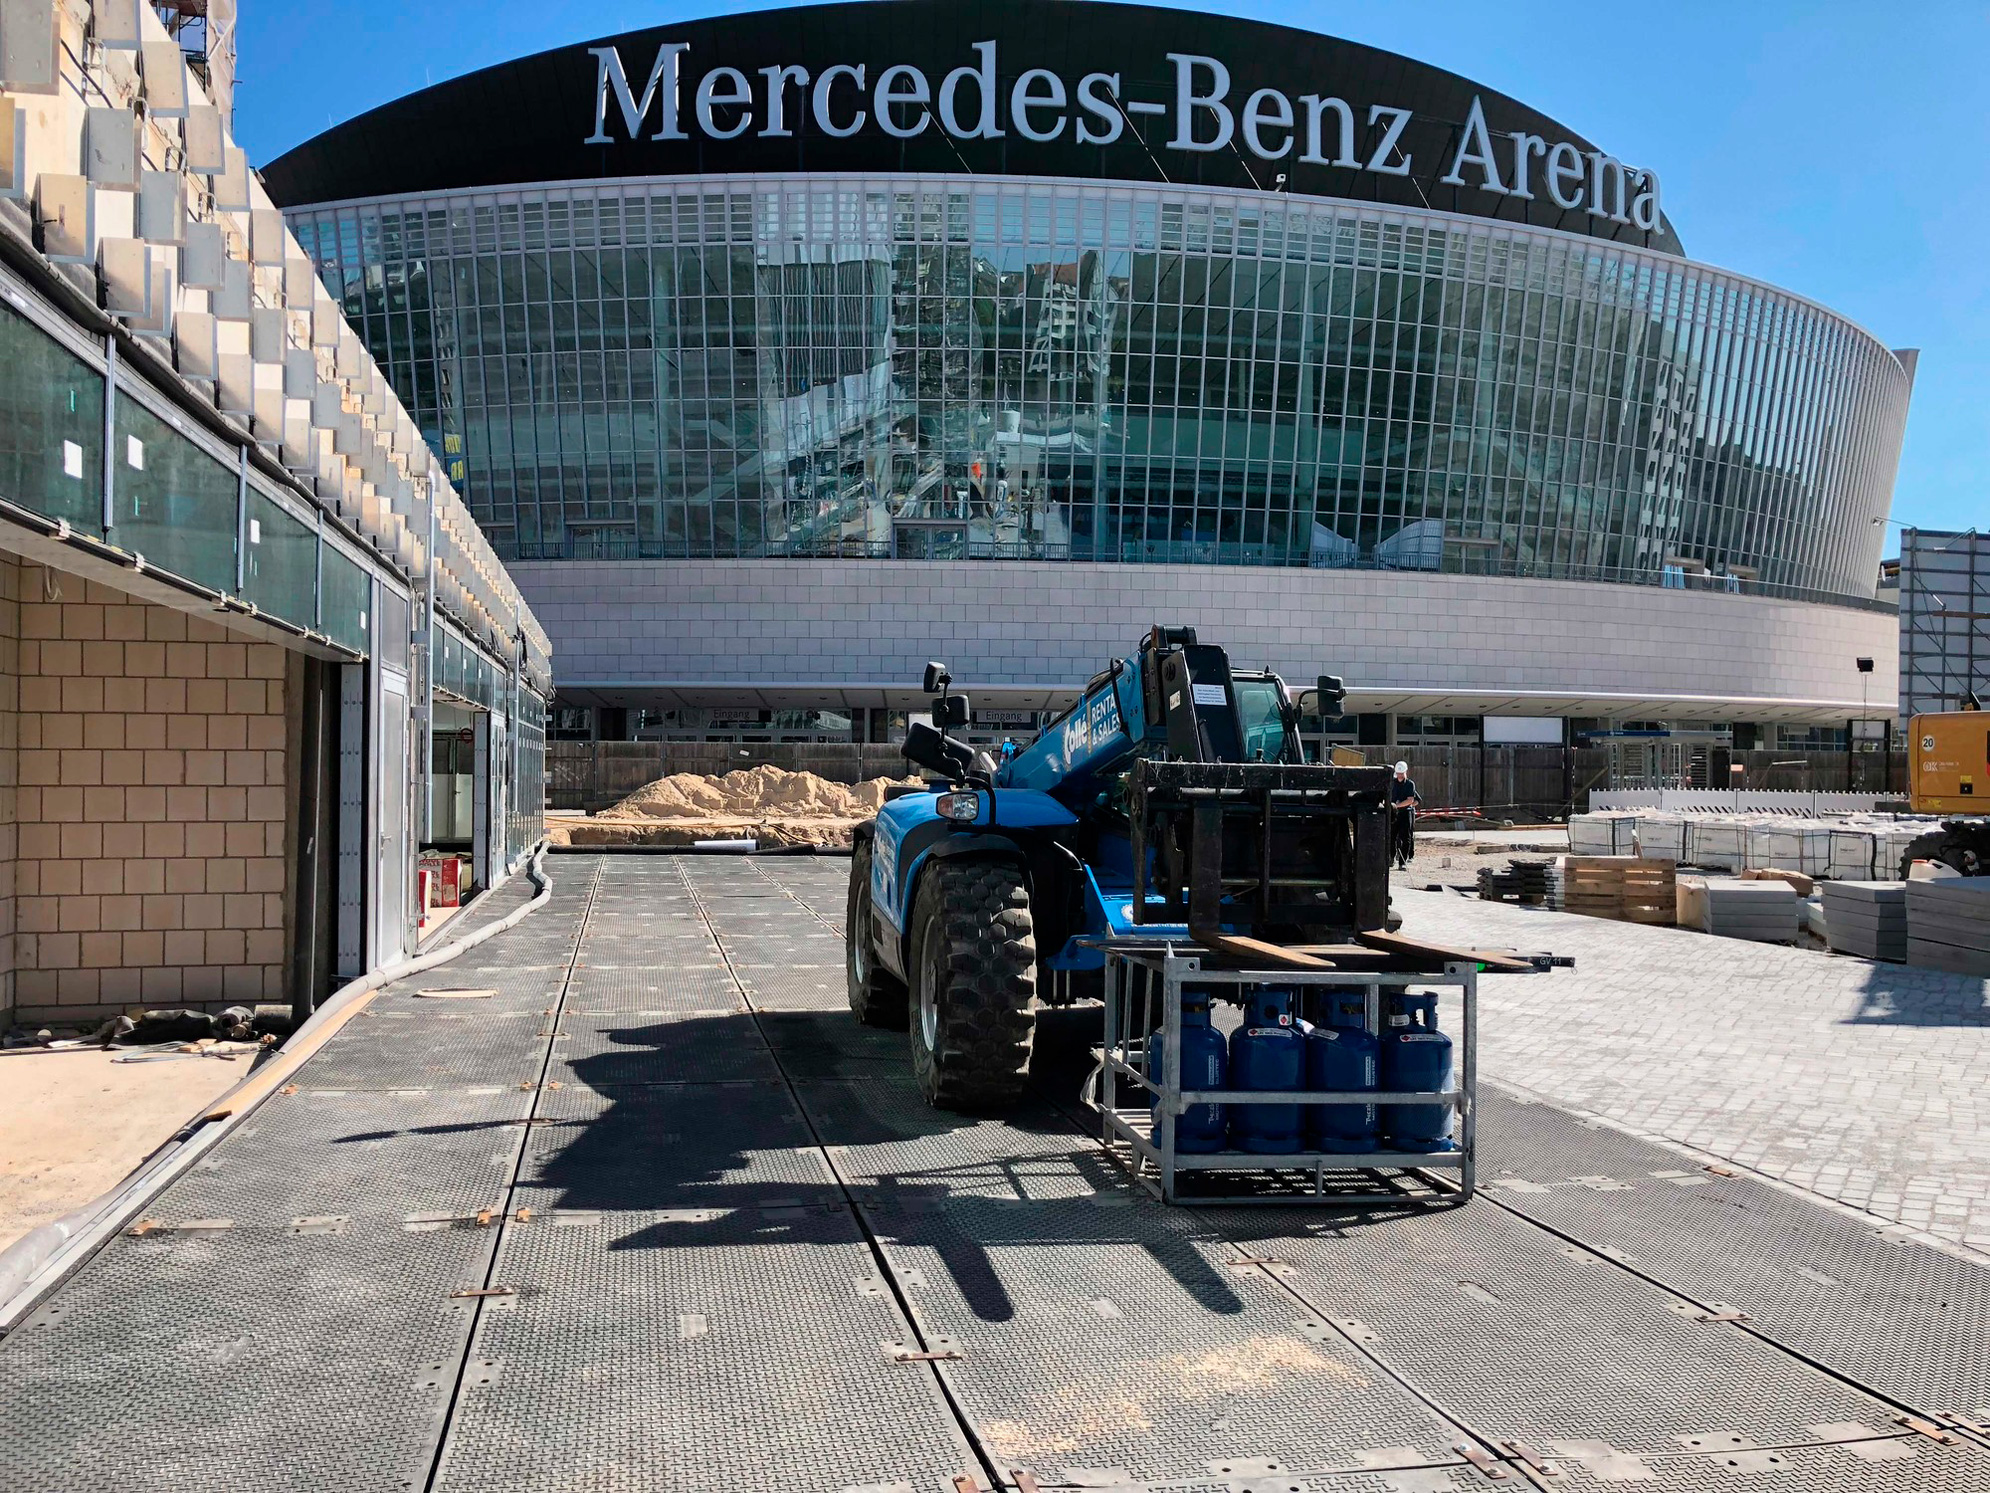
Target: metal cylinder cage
{"type": "Point", "coordinates": [1136, 1103]}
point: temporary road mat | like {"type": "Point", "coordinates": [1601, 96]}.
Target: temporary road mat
{"type": "Point", "coordinates": [658, 1214]}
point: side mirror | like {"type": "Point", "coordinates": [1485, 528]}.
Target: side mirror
{"type": "Point", "coordinates": [937, 678]}
{"type": "Point", "coordinates": [950, 711]}
{"type": "Point", "coordinates": [1332, 694]}
{"type": "Point", "coordinates": [931, 749]}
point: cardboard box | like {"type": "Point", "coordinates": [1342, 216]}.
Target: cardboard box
{"type": "Point", "coordinates": [448, 876]}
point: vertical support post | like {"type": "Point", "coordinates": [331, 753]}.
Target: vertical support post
{"type": "Point", "coordinates": [512, 738]}
{"type": "Point", "coordinates": [1568, 769]}
{"type": "Point", "coordinates": [318, 579]}
{"type": "Point", "coordinates": [1468, 1125]}
{"type": "Point", "coordinates": [1171, 1069]}
{"type": "Point", "coordinates": [1482, 766]}
{"type": "Point", "coordinates": [427, 752]}
{"type": "Point", "coordinates": [110, 429]}
{"type": "Point", "coordinates": [311, 822]}
{"type": "Point", "coordinates": [1109, 1043]}
{"type": "Point", "coordinates": [242, 520]}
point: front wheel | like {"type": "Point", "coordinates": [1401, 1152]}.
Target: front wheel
{"type": "Point", "coordinates": [974, 985]}
{"type": "Point", "coordinates": [876, 997]}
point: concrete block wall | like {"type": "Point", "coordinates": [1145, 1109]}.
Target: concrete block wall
{"type": "Point", "coordinates": [10, 694]}
{"type": "Point", "coordinates": [150, 814]}
{"type": "Point", "coordinates": [876, 622]}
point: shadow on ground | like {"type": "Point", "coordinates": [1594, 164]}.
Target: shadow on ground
{"type": "Point", "coordinates": [1898, 996]}
{"type": "Point", "coordinates": [697, 1120]}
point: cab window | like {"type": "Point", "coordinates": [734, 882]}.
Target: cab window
{"type": "Point", "coordinates": [1260, 712]}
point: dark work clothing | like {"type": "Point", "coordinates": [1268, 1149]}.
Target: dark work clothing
{"type": "Point", "coordinates": [1402, 820]}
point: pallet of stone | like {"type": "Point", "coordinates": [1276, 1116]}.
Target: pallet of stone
{"type": "Point", "coordinates": [1867, 918]}
{"type": "Point", "coordinates": [1623, 887]}
{"type": "Point", "coordinates": [1524, 882]}
{"type": "Point", "coordinates": [1948, 924]}
{"type": "Point", "coordinates": [1603, 835]}
{"type": "Point", "coordinates": [1761, 911]}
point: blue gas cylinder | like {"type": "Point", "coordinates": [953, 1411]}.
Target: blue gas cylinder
{"type": "Point", "coordinates": [1267, 1052]}
{"type": "Point", "coordinates": [1341, 1056]}
{"type": "Point", "coordinates": [1205, 1065]}
{"type": "Point", "coordinates": [1416, 1055]}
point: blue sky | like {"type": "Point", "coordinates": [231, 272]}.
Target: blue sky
{"type": "Point", "coordinates": [1835, 148]}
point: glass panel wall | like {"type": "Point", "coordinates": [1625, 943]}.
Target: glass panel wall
{"type": "Point", "coordinates": [1006, 368]}
{"type": "Point", "coordinates": [280, 565]}
{"type": "Point", "coordinates": [528, 799]}
{"type": "Point", "coordinates": [346, 601]}
{"type": "Point", "coordinates": [172, 502]}
{"type": "Point", "coordinates": [51, 426]}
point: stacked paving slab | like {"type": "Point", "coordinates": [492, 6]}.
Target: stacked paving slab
{"type": "Point", "coordinates": [1524, 882]}
{"type": "Point", "coordinates": [1867, 918]}
{"type": "Point", "coordinates": [1765, 911]}
{"type": "Point", "coordinates": [1948, 924]}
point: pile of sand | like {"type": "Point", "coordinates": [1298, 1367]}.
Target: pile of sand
{"type": "Point", "coordinates": [753, 793]}
{"type": "Point", "coordinates": [766, 804]}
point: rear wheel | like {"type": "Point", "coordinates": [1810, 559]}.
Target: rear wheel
{"type": "Point", "coordinates": [1964, 847]}
{"type": "Point", "coordinates": [876, 997]}
{"type": "Point", "coordinates": [973, 973]}
{"type": "Point", "coordinates": [1927, 847]}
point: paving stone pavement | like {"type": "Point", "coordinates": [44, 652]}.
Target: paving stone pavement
{"type": "Point", "coordinates": [1862, 1082]}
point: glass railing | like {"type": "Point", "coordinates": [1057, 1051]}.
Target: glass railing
{"type": "Point", "coordinates": [625, 546]}
{"type": "Point", "coordinates": [177, 496]}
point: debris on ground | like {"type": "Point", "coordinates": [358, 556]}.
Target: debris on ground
{"type": "Point", "coordinates": [766, 804]}
{"type": "Point", "coordinates": [154, 1029]}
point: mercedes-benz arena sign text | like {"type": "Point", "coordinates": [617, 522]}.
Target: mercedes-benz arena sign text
{"type": "Point", "coordinates": [1204, 113]}
{"type": "Point", "coordinates": [1076, 90]}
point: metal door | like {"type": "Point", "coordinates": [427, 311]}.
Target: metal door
{"type": "Point", "coordinates": [355, 891]}
{"type": "Point", "coordinates": [482, 824]}
{"type": "Point", "coordinates": [500, 790]}
{"type": "Point", "coordinates": [395, 903]}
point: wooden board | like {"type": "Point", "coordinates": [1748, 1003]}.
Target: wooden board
{"type": "Point", "coordinates": [1617, 863]}
{"type": "Point", "coordinates": [1255, 951]}
{"type": "Point", "coordinates": [1395, 943]}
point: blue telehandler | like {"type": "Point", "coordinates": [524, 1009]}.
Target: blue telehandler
{"type": "Point", "coordinates": [1173, 799]}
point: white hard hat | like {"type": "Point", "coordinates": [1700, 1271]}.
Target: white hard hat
{"type": "Point", "coordinates": [1402, 767]}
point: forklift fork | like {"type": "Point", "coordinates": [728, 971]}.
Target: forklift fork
{"type": "Point", "coordinates": [1255, 849]}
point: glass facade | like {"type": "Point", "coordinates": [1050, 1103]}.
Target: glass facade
{"type": "Point", "coordinates": [1033, 369]}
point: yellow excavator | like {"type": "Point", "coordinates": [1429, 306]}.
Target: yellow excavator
{"type": "Point", "coordinates": [1948, 772]}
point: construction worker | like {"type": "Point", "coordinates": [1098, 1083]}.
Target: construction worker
{"type": "Point", "coordinates": [1402, 816]}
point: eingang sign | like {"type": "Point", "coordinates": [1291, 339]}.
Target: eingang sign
{"type": "Point", "coordinates": [1053, 88]}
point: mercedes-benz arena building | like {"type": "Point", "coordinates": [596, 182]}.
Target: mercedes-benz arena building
{"type": "Point", "coordinates": [781, 352]}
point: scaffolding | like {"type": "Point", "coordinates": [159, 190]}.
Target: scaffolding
{"type": "Point", "coordinates": [1944, 620]}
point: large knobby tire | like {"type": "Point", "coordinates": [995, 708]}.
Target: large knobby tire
{"type": "Point", "coordinates": [876, 996]}
{"type": "Point", "coordinates": [1928, 847]}
{"type": "Point", "coordinates": [973, 968]}
{"type": "Point", "coordinates": [1965, 849]}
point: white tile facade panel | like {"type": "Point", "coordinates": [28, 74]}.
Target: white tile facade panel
{"type": "Point", "coordinates": [874, 623]}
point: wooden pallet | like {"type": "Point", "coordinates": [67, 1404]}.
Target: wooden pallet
{"type": "Point", "coordinates": [1622, 887]}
